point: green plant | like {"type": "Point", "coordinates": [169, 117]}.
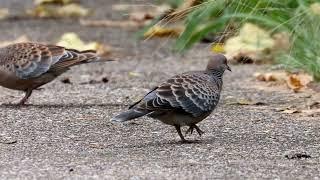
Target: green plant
{"type": "Point", "coordinates": [304, 53]}
{"type": "Point", "coordinates": [291, 16]}
{"type": "Point", "coordinates": [213, 16]}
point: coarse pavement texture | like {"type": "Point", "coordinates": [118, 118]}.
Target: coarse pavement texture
{"type": "Point", "coordinates": [65, 132]}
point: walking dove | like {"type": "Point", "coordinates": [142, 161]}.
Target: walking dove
{"type": "Point", "coordinates": [183, 100]}
{"type": "Point", "coordinates": [27, 66]}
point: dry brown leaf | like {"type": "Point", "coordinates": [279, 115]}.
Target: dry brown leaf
{"type": "Point", "coordinates": [4, 13]}
{"type": "Point", "coordinates": [73, 41]}
{"type": "Point", "coordinates": [20, 39]}
{"type": "Point", "coordinates": [158, 31]}
{"type": "Point", "coordinates": [55, 11]}
{"type": "Point", "coordinates": [297, 82]}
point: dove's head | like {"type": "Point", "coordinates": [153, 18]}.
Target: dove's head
{"type": "Point", "coordinates": [218, 62]}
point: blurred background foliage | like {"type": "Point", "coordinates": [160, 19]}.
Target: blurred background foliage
{"type": "Point", "coordinates": [222, 19]}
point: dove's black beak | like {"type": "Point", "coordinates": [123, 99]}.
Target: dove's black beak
{"type": "Point", "coordinates": [228, 68]}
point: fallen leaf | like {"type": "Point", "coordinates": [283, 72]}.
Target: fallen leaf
{"type": "Point", "coordinates": [217, 48]}
{"type": "Point", "coordinates": [271, 76]}
{"type": "Point", "coordinates": [252, 43]}
{"type": "Point", "coordinates": [72, 40]}
{"type": "Point", "coordinates": [56, 11]}
{"type": "Point", "coordinates": [20, 39]}
{"type": "Point", "coordinates": [297, 82]}
{"type": "Point", "coordinates": [158, 31]}
{"type": "Point", "coordinates": [4, 13]}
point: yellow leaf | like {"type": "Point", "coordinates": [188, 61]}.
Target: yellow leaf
{"type": "Point", "coordinates": [72, 41]}
{"type": "Point", "coordinates": [69, 10]}
{"type": "Point", "coordinates": [73, 10]}
{"type": "Point", "coordinates": [158, 31]}
{"type": "Point", "coordinates": [251, 43]}
{"type": "Point", "coordinates": [217, 48]}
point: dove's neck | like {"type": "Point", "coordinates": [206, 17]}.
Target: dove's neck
{"type": "Point", "coordinates": [217, 75]}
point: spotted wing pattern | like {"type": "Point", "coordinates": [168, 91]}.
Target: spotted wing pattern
{"type": "Point", "coordinates": [30, 60]}
{"type": "Point", "coordinates": [194, 92]}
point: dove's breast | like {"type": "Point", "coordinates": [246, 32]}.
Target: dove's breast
{"type": "Point", "coordinates": [11, 81]}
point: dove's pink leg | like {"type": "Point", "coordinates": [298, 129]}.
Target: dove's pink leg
{"type": "Point", "coordinates": [25, 98]}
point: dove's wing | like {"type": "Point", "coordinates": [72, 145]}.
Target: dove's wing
{"type": "Point", "coordinates": [195, 93]}
{"type": "Point", "coordinates": [30, 60]}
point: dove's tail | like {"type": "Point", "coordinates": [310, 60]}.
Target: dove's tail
{"type": "Point", "coordinates": [129, 115]}
{"type": "Point", "coordinates": [84, 57]}
{"type": "Point", "coordinates": [72, 57]}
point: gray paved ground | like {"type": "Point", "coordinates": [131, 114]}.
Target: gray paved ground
{"type": "Point", "coordinates": [66, 132]}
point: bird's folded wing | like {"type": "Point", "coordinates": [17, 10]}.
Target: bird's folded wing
{"type": "Point", "coordinates": [30, 60]}
{"type": "Point", "coordinates": [189, 93]}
